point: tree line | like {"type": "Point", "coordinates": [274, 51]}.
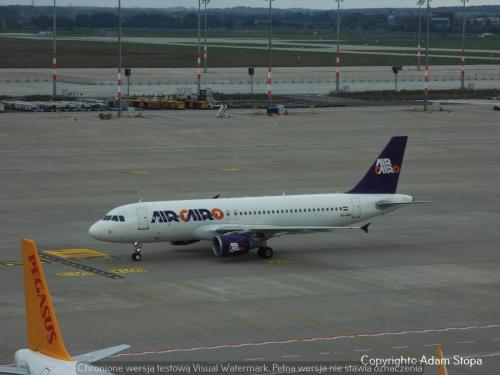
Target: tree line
{"type": "Point", "coordinates": [40, 18]}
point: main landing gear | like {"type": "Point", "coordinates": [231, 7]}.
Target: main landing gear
{"type": "Point", "coordinates": [265, 252]}
{"type": "Point", "coordinates": [136, 256]}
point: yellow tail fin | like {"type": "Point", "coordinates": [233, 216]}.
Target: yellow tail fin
{"type": "Point", "coordinates": [441, 366]}
{"type": "Point", "coordinates": [44, 335]}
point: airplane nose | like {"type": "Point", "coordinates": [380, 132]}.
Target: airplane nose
{"type": "Point", "coordinates": [95, 231]}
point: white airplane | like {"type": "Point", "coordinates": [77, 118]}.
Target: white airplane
{"type": "Point", "coordinates": [46, 353]}
{"type": "Point", "coordinates": [237, 225]}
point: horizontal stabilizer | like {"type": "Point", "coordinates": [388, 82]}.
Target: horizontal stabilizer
{"type": "Point", "coordinates": [13, 370]}
{"type": "Point", "coordinates": [382, 205]}
{"type": "Point", "coordinates": [100, 354]}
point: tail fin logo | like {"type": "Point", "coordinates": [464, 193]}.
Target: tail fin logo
{"type": "Point", "coordinates": [385, 166]}
{"type": "Point", "coordinates": [45, 313]}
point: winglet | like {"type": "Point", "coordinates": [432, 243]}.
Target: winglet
{"type": "Point", "coordinates": [44, 335]}
{"type": "Point", "coordinates": [441, 364]}
{"type": "Point", "coordinates": [364, 228]}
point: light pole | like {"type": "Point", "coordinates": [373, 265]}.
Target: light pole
{"type": "Point", "coordinates": [419, 46]}
{"type": "Point", "coordinates": [54, 54]}
{"type": "Point", "coordinates": [270, 56]}
{"type": "Point", "coordinates": [198, 63]}
{"type": "Point", "coordinates": [205, 52]}
{"type": "Point", "coordinates": [119, 77]}
{"type": "Point", "coordinates": [337, 64]}
{"type": "Point", "coordinates": [462, 71]}
{"type": "Point", "coordinates": [426, 77]}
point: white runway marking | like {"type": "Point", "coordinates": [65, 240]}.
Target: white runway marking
{"type": "Point", "coordinates": [291, 356]}
{"type": "Point", "coordinates": [400, 347]}
{"type": "Point", "coordinates": [466, 342]}
{"type": "Point", "coordinates": [432, 345]}
{"type": "Point", "coordinates": [363, 350]}
{"type": "Point", "coordinates": [311, 339]}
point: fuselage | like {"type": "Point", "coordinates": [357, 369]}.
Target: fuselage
{"type": "Point", "coordinates": [38, 363]}
{"type": "Point", "coordinates": [185, 220]}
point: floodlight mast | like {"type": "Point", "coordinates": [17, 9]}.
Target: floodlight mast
{"type": "Point", "coordinates": [198, 58]}
{"type": "Point", "coordinates": [205, 52]}
{"type": "Point", "coordinates": [426, 76]}
{"type": "Point", "coordinates": [54, 53]}
{"type": "Point", "coordinates": [462, 71]}
{"type": "Point", "coordinates": [119, 76]}
{"type": "Point", "coordinates": [419, 45]}
{"type": "Point", "coordinates": [337, 58]}
{"type": "Point", "coordinates": [270, 57]}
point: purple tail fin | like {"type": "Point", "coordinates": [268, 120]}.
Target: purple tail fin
{"type": "Point", "coordinates": [383, 175]}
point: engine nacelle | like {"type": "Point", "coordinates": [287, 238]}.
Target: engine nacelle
{"type": "Point", "coordinates": [232, 245]}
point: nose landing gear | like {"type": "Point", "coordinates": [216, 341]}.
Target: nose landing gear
{"type": "Point", "coordinates": [137, 256]}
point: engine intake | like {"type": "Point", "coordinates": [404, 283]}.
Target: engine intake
{"type": "Point", "coordinates": [232, 245]}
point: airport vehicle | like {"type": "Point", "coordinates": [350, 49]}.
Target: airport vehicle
{"type": "Point", "coordinates": [237, 225]}
{"type": "Point", "coordinates": [46, 353]}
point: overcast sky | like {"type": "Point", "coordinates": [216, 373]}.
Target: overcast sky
{"type": "Point", "coordinates": [316, 4]}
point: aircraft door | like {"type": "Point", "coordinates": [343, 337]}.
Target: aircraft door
{"type": "Point", "coordinates": [143, 218]}
{"type": "Point", "coordinates": [356, 208]}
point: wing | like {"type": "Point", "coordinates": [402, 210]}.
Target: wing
{"type": "Point", "coordinates": [100, 354]}
{"type": "Point", "coordinates": [267, 230]}
{"type": "Point", "coordinates": [13, 370]}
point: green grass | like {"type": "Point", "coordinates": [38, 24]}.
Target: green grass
{"type": "Point", "coordinates": [24, 53]}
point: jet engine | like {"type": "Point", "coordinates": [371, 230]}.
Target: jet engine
{"type": "Point", "coordinates": [232, 245]}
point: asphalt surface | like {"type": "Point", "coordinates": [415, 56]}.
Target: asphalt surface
{"type": "Point", "coordinates": [424, 275]}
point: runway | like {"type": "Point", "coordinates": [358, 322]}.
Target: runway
{"type": "Point", "coordinates": [424, 275]}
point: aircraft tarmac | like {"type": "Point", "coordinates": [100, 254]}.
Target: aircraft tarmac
{"type": "Point", "coordinates": [424, 275]}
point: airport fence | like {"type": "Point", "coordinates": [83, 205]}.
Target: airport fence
{"type": "Point", "coordinates": [283, 79]}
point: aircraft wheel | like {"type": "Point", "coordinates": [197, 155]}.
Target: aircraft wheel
{"type": "Point", "coordinates": [265, 252]}
{"type": "Point", "coordinates": [136, 257]}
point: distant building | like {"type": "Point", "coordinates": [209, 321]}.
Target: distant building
{"type": "Point", "coordinates": [392, 20]}
{"type": "Point", "coordinates": [442, 20]}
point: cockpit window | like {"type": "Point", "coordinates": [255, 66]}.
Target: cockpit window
{"type": "Point", "coordinates": [114, 218]}
{"type": "Point", "coordinates": [122, 218]}
{"type": "Point", "coordinates": [106, 218]}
